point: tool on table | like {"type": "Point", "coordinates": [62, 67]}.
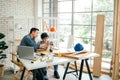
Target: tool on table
{"type": "Point", "coordinates": [39, 58]}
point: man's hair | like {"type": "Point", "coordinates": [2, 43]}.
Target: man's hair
{"type": "Point", "coordinates": [33, 29]}
{"type": "Point", "coordinates": [44, 35]}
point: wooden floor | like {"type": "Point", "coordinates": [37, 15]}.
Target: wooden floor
{"type": "Point", "coordinates": [9, 74]}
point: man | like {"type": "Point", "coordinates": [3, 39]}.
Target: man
{"type": "Point", "coordinates": [29, 40]}
{"type": "Point", "coordinates": [44, 45]}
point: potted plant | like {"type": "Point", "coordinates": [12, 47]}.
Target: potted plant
{"type": "Point", "coordinates": [3, 47]}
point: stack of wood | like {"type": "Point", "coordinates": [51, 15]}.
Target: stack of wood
{"type": "Point", "coordinates": [111, 68]}
{"type": "Point", "coordinates": [72, 55]}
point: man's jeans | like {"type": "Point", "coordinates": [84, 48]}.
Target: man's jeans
{"type": "Point", "coordinates": [40, 73]}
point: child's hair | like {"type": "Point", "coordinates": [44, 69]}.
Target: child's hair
{"type": "Point", "coordinates": [44, 35]}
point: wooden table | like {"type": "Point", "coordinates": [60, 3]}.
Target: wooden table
{"type": "Point", "coordinates": [57, 60]}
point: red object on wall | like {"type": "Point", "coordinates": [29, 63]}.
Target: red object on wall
{"type": "Point", "coordinates": [52, 29]}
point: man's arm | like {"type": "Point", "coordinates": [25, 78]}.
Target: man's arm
{"type": "Point", "coordinates": [31, 43]}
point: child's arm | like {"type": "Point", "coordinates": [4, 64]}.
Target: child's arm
{"type": "Point", "coordinates": [45, 45]}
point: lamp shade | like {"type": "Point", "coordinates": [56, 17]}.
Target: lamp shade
{"type": "Point", "coordinates": [52, 29]}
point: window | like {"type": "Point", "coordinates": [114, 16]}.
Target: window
{"type": "Point", "coordinates": [63, 19]}
{"type": "Point", "coordinates": [82, 18]}
{"type": "Point", "coordinates": [78, 17]}
{"type": "Point", "coordinates": [65, 6]}
{"type": "Point", "coordinates": [82, 5]}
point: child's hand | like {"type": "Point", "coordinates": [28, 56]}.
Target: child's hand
{"type": "Point", "coordinates": [48, 43]}
{"type": "Point", "coordinates": [43, 45]}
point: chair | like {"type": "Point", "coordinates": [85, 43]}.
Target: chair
{"type": "Point", "coordinates": [20, 65]}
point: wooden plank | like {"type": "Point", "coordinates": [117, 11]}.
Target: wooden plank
{"type": "Point", "coordinates": [114, 37]}
{"type": "Point", "coordinates": [98, 45]}
{"type": "Point", "coordinates": [1, 70]}
{"type": "Point", "coordinates": [72, 55]}
{"type": "Point", "coordinates": [103, 71]}
{"type": "Point", "coordinates": [116, 42]}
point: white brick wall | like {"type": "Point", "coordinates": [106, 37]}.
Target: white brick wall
{"type": "Point", "coordinates": [14, 8]}
{"type": "Point", "coordinates": [17, 8]}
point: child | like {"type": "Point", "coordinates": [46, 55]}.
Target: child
{"type": "Point", "coordinates": [45, 44]}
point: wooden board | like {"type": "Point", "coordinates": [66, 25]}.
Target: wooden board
{"type": "Point", "coordinates": [98, 45]}
{"type": "Point", "coordinates": [73, 55]}
{"type": "Point", "coordinates": [103, 71]}
{"type": "Point", "coordinates": [41, 51]}
{"type": "Point", "coordinates": [1, 70]}
{"type": "Point", "coordinates": [116, 41]}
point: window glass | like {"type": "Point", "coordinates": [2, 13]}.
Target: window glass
{"type": "Point", "coordinates": [82, 5]}
{"type": "Point", "coordinates": [64, 0]}
{"type": "Point", "coordinates": [103, 5]}
{"type": "Point", "coordinates": [46, 8]}
{"type": "Point", "coordinates": [64, 32]}
{"type": "Point", "coordinates": [108, 17]}
{"type": "Point", "coordinates": [65, 6]}
{"type": "Point", "coordinates": [63, 19]}
{"type": "Point", "coordinates": [46, 0]}
{"type": "Point", "coordinates": [82, 18]}
{"type": "Point", "coordinates": [46, 15]}
{"type": "Point", "coordinates": [82, 31]}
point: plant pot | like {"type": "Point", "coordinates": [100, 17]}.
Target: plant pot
{"type": "Point", "coordinates": [1, 70]}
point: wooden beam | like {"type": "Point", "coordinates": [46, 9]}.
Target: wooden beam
{"type": "Point", "coordinates": [103, 71]}
{"type": "Point", "coordinates": [116, 41]}
{"type": "Point", "coordinates": [98, 45]}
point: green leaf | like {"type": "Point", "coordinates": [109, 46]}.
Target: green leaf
{"type": "Point", "coordinates": [2, 35]}
{"type": "Point", "coordinates": [2, 56]}
{"type": "Point", "coordinates": [1, 52]}
{"type": "Point", "coordinates": [2, 43]}
{"type": "Point", "coordinates": [3, 47]}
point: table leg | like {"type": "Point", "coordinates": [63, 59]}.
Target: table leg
{"type": "Point", "coordinates": [22, 74]}
{"type": "Point", "coordinates": [81, 68]}
{"type": "Point", "coordinates": [66, 70]}
{"type": "Point", "coordinates": [76, 67]}
{"type": "Point", "coordinates": [88, 68]}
